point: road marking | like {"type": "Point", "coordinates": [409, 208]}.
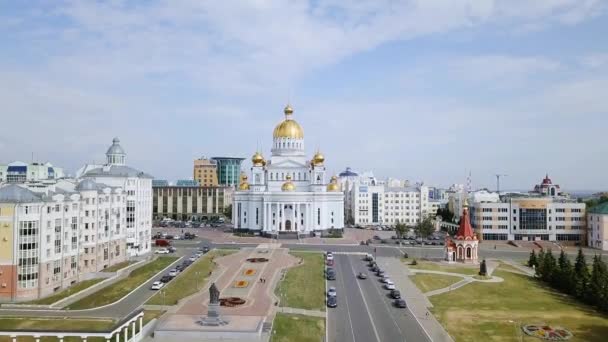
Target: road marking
{"type": "Point", "coordinates": [350, 321]}
{"type": "Point", "coordinates": [364, 301]}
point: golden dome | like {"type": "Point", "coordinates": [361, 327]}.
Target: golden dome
{"type": "Point", "coordinates": [288, 128]}
{"type": "Point", "coordinates": [333, 185]}
{"type": "Point", "coordinates": [318, 159]}
{"type": "Point", "coordinates": [288, 186]}
{"type": "Point", "coordinates": [258, 159]}
{"type": "Point", "coordinates": [244, 184]}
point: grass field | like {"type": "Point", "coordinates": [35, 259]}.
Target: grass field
{"type": "Point", "coordinates": [116, 291]}
{"type": "Point", "coordinates": [67, 292]}
{"type": "Point", "coordinates": [304, 285]}
{"type": "Point", "coordinates": [298, 328]}
{"type": "Point", "coordinates": [428, 282]}
{"type": "Point", "coordinates": [433, 266]}
{"type": "Point", "coordinates": [495, 311]}
{"type": "Point", "coordinates": [52, 325]}
{"type": "Point", "coordinates": [118, 266]}
{"type": "Point", "coordinates": [507, 267]}
{"type": "Point", "coordinates": [186, 283]}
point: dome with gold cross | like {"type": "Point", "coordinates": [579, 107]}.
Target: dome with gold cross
{"type": "Point", "coordinates": [333, 184]}
{"type": "Point", "coordinates": [288, 186]}
{"type": "Point", "coordinates": [288, 128]}
{"type": "Point", "coordinates": [318, 159]}
{"type": "Point", "coordinates": [258, 159]}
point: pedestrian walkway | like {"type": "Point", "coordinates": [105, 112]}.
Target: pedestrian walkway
{"type": "Point", "coordinates": [417, 302]}
{"type": "Point", "coordinates": [466, 280]}
{"type": "Point", "coordinates": [296, 311]}
{"type": "Point", "coordinates": [525, 269]}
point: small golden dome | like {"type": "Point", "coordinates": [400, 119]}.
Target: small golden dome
{"type": "Point", "coordinates": [333, 184]}
{"type": "Point", "coordinates": [288, 128]}
{"type": "Point", "coordinates": [318, 159]}
{"type": "Point", "coordinates": [288, 186]}
{"type": "Point", "coordinates": [258, 159]}
{"type": "Point", "coordinates": [244, 184]}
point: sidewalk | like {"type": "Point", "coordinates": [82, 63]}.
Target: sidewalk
{"type": "Point", "coordinates": [527, 270]}
{"type": "Point", "coordinates": [417, 302]}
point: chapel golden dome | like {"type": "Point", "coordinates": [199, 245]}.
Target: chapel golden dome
{"type": "Point", "coordinates": [258, 159]}
{"type": "Point", "coordinates": [244, 184]}
{"type": "Point", "coordinates": [288, 128]}
{"type": "Point", "coordinates": [288, 186]}
{"type": "Point", "coordinates": [333, 184]}
{"type": "Point", "coordinates": [318, 159]}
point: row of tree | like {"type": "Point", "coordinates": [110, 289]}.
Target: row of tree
{"type": "Point", "coordinates": [589, 286]}
{"type": "Point", "coordinates": [422, 229]}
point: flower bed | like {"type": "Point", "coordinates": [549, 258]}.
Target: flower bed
{"type": "Point", "coordinates": [547, 332]}
{"type": "Point", "coordinates": [241, 284]}
{"type": "Point", "coordinates": [257, 260]}
{"type": "Point", "coordinates": [231, 301]}
{"type": "Point", "coordinates": [249, 272]}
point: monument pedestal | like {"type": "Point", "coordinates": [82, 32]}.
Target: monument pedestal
{"type": "Point", "coordinates": [213, 318]}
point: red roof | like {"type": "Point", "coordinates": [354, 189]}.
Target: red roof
{"type": "Point", "coordinates": [465, 230]}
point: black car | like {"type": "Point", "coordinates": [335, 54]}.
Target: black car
{"type": "Point", "coordinates": [376, 237]}
{"type": "Point", "coordinates": [205, 249]}
{"type": "Point", "coordinates": [172, 249]}
{"type": "Point", "coordinates": [396, 294]}
{"type": "Point", "coordinates": [400, 303]}
{"type": "Point", "coordinates": [380, 273]}
{"type": "Point", "coordinates": [331, 275]}
{"type": "Point", "coordinates": [332, 301]}
{"type": "Point", "coordinates": [375, 268]}
{"type": "Point", "coordinates": [180, 267]}
{"type": "Point", "coordinates": [165, 279]}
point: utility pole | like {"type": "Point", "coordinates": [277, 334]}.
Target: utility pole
{"type": "Point", "coordinates": [498, 182]}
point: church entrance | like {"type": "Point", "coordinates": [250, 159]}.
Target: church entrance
{"type": "Point", "coordinates": [287, 225]}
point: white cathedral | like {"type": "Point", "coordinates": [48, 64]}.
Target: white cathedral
{"type": "Point", "coordinates": [288, 193]}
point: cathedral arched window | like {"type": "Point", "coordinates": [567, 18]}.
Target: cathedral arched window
{"type": "Point", "coordinates": [318, 216]}
{"type": "Point", "coordinates": [271, 176]}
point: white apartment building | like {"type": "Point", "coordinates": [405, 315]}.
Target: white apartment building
{"type": "Point", "coordinates": [383, 205]}
{"type": "Point", "coordinates": [20, 172]}
{"type": "Point", "coordinates": [57, 237]}
{"type": "Point", "coordinates": [597, 227]}
{"type": "Point", "coordinates": [530, 218]}
{"type": "Point", "coordinates": [137, 186]}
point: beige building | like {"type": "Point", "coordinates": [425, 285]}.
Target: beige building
{"type": "Point", "coordinates": [530, 218]}
{"type": "Point", "coordinates": [597, 227]}
{"type": "Point", "coordinates": [190, 203]}
{"type": "Point", "coordinates": [205, 172]}
{"type": "Point", "coordinates": [58, 236]}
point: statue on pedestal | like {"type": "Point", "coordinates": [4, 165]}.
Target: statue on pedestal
{"type": "Point", "coordinates": [213, 312]}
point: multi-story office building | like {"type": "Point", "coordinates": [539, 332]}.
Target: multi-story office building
{"type": "Point", "coordinates": [530, 218]}
{"type": "Point", "coordinates": [19, 172]}
{"type": "Point", "coordinates": [374, 204]}
{"type": "Point", "coordinates": [138, 187]}
{"type": "Point", "coordinates": [228, 170]}
{"type": "Point", "coordinates": [597, 227]}
{"type": "Point", "coordinates": [190, 203]}
{"type": "Point", "coordinates": [59, 236]}
{"type": "Point", "coordinates": [205, 172]}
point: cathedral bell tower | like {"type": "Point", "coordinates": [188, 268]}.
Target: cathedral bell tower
{"type": "Point", "coordinates": [317, 172]}
{"type": "Point", "coordinates": [258, 172]}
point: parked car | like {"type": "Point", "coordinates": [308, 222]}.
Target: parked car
{"type": "Point", "coordinates": [331, 275]}
{"type": "Point", "coordinates": [386, 279]}
{"type": "Point", "coordinates": [389, 285]}
{"type": "Point", "coordinates": [173, 273]}
{"type": "Point", "coordinates": [330, 256]}
{"type": "Point", "coordinates": [205, 249]}
{"type": "Point", "coordinates": [166, 278]}
{"type": "Point", "coordinates": [172, 249]}
{"type": "Point", "coordinates": [368, 242]}
{"type": "Point", "coordinates": [375, 268]}
{"type": "Point", "coordinates": [192, 259]}
{"type": "Point", "coordinates": [169, 237]}
{"type": "Point", "coordinates": [162, 243]}
{"type": "Point", "coordinates": [380, 273]}
{"type": "Point", "coordinates": [400, 303]}
{"type": "Point", "coordinates": [332, 301]}
{"type": "Point", "coordinates": [180, 268]}
{"type": "Point", "coordinates": [189, 236]}
{"type": "Point", "coordinates": [369, 257]}
{"type": "Point", "coordinates": [396, 294]}
{"type": "Point", "coordinates": [161, 251]}
{"type": "Point", "coordinates": [157, 285]}
{"type": "Point", "coordinates": [362, 275]}
{"type": "Point", "coordinates": [331, 291]}
{"type": "Point", "coordinates": [330, 262]}
{"type": "Point", "coordinates": [376, 237]}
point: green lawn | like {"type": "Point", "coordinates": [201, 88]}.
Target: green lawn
{"type": "Point", "coordinates": [304, 285]}
{"type": "Point", "coordinates": [119, 266]}
{"type": "Point", "coordinates": [507, 267]}
{"type": "Point", "coordinates": [67, 292]}
{"type": "Point", "coordinates": [298, 328]}
{"type": "Point", "coordinates": [121, 288]}
{"type": "Point", "coordinates": [434, 266]}
{"type": "Point", "coordinates": [185, 284]}
{"type": "Point", "coordinates": [428, 282]}
{"type": "Point", "coordinates": [494, 311]}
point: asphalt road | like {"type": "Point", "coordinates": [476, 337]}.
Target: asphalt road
{"type": "Point", "coordinates": [365, 312]}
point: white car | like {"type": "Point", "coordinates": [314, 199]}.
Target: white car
{"type": "Point", "coordinates": [157, 285]}
{"type": "Point", "coordinates": [331, 292]}
{"type": "Point", "coordinates": [161, 251]}
{"type": "Point", "coordinates": [389, 285]}
{"type": "Point", "coordinates": [173, 273]}
{"type": "Point", "coordinates": [192, 259]}
{"type": "Point", "coordinates": [330, 257]}
{"type": "Point", "coordinates": [386, 279]}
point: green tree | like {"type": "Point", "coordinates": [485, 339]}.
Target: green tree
{"type": "Point", "coordinates": [532, 260]}
{"type": "Point", "coordinates": [483, 269]}
{"type": "Point", "coordinates": [400, 229]}
{"type": "Point", "coordinates": [598, 283]}
{"type": "Point", "coordinates": [424, 228]}
{"type": "Point", "coordinates": [549, 267]}
{"type": "Point", "coordinates": [581, 275]}
{"type": "Point", "coordinates": [564, 278]}
{"type": "Point", "coordinates": [540, 262]}
{"type": "Point", "coordinates": [446, 214]}
{"type": "Point", "coordinates": [228, 211]}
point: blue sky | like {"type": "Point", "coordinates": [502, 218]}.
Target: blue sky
{"type": "Point", "coordinates": [418, 89]}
